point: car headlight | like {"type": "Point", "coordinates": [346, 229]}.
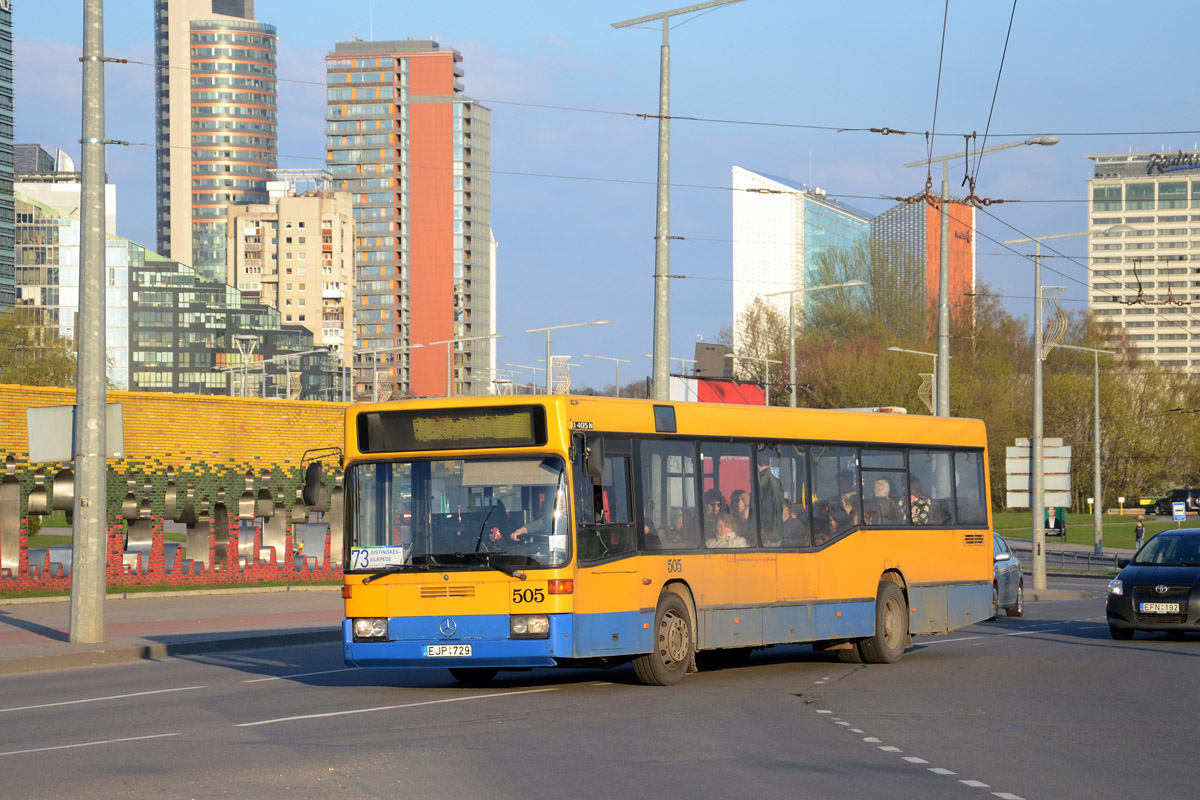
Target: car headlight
{"type": "Point", "coordinates": [529, 626]}
{"type": "Point", "coordinates": [366, 628]}
{"type": "Point", "coordinates": [1116, 587]}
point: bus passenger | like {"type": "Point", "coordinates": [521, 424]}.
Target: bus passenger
{"type": "Point", "coordinates": [726, 535]}
{"type": "Point", "coordinates": [739, 507]}
{"type": "Point", "coordinates": [795, 529]}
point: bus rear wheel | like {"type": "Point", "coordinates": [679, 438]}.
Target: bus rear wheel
{"type": "Point", "coordinates": [672, 649]}
{"type": "Point", "coordinates": [886, 645]}
{"type": "Point", "coordinates": [473, 676]}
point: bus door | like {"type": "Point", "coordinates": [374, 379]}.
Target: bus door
{"type": "Point", "coordinates": [607, 583]}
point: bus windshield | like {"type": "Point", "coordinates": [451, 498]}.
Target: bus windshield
{"type": "Point", "coordinates": [458, 514]}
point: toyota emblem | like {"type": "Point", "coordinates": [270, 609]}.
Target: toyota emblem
{"type": "Point", "coordinates": [447, 627]}
{"type": "Point", "coordinates": [1160, 589]}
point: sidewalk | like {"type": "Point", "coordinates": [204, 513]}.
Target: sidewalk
{"type": "Point", "coordinates": [35, 634]}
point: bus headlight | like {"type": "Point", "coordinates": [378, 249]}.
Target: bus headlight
{"type": "Point", "coordinates": [529, 626]}
{"type": "Point", "coordinates": [368, 628]}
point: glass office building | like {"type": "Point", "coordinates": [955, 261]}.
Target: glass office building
{"type": "Point", "coordinates": [780, 228]}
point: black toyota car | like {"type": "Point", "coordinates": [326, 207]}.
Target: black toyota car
{"type": "Point", "coordinates": [1159, 589]}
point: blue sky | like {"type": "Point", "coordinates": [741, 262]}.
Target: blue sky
{"type": "Point", "coordinates": [573, 190]}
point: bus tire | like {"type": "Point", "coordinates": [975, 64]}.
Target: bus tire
{"type": "Point", "coordinates": [672, 648]}
{"type": "Point", "coordinates": [473, 676]}
{"type": "Point", "coordinates": [886, 645]}
{"type": "Point", "coordinates": [850, 655]}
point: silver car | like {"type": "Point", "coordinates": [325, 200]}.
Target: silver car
{"type": "Point", "coordinates": [1008, 585]}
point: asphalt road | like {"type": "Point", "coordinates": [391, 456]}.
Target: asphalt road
{"type": "Point", "coordinates": [1046, 706]}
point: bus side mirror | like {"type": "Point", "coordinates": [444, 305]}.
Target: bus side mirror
{"type": "Point", "coordinates": [312, 484]}
{"type": "Point", "coordinates": [593, 457]}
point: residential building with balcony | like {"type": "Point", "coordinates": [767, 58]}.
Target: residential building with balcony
{"type": "Point", "coordinates": [296, 254]}
{"type": "Point", "coordinates": [413, 151]}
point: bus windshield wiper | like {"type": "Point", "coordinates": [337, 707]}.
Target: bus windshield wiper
{"type": "Point", "coordinates": [392, 570]}
{"type": "Point", "coordinates": [483, 525]}
{"type": "Point", "coordinates": [512, 572]}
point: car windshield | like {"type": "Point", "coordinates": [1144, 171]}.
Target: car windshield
{"type": "Point", "coordinates": [1170, 550]}
{"type": "Point", "coordinates": [458, 514]}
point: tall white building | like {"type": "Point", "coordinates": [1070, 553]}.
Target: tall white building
{"type": "Point", "coordinates": [1143, 248]}
{"type": "Point", "coordinates": [779, 228]}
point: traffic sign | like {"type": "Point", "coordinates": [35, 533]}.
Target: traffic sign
{"type": "Point", "coordinates": [1178, 512]}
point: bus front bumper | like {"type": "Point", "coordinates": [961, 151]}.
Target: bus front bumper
{"type": "Point", "coordinates": [461, 641]}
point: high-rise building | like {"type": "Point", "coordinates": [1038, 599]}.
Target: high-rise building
{"type": "Point", "coordinates": [1143, 244]}
{"type": "Point", "coordinates": [779, 229]}
{"type": "Point", "coordinates": [414, 152]}
{"type": "Point", "coordinates": [215, 122]}
{"type": "Point", "coordinates": [914, 231]}
{"type": "Point", "coordinates": [296, 254]}
{"type": "Point", "coordinates": [8, 288]}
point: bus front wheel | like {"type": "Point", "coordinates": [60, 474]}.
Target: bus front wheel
{"type": "Point", "coordinates": [886, 645]}
{"type": "Point", "coordinates": [672, 648]}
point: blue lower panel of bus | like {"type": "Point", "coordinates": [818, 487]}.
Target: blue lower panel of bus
{"type": "Point", "coordinates": [580, 636]}
{"type": "Point", "coordinates": [943, 608]}
{"type": "Point", "coordinates": [753, 627]}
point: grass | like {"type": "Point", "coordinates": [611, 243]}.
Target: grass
{"type": "Point", "coordinates": [1117, 530]}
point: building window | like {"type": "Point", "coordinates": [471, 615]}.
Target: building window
{"type": "Point", "coordinates": [1106, 197]}
{"type": "Point", "coordinates": [1139, 196]}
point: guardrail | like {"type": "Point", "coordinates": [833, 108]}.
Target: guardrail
{"type": "Point", "coordinates": [1069, 560]}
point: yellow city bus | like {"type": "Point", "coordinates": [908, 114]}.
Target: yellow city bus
{"type": "Point", "coordinates": [486, 534]}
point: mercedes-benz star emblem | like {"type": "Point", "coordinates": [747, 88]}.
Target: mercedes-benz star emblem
{"type": "Point", "coordinates": [1160, 589]}
{"type": "Point", "coordinates": [447, 627]}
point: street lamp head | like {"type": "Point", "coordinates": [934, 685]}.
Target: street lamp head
{"type": "Point", "coordinates": [1045, 140]}
{"type": "Point", "coordinates": [245, 337]}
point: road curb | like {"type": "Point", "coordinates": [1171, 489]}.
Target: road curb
{"type": "Point", "coordinates": [154, 652]}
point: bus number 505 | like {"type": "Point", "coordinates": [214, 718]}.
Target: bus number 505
{"type": "Point", "coordinates": [528, 595]}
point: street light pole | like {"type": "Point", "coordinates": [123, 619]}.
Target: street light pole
{"type": "Point", "coordinates": [943, 363]}
{"type": "Point", "coordinates": [922, 353]}
{"type": "Point", "coordinates": [662, 250]}
{"type": "Point", "coordinates": [618, 361]}
{"type": "Point", "coordinates": [1097, 512]}
{"type": "Point", "coordinates": [791, 293]}
{"type": "Point", "coordinates": [376, 352]}
{"type": "Point", "coordinates": [450, 355]}
{"type": "Point", "coordinates": [1038, 495]}
{"type": "Point", "coordinates": [549, 366]}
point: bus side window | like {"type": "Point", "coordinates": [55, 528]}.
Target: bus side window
{"type": "Point", "coordinates": [606, 518]}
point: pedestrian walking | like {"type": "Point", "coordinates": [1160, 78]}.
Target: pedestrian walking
{"type": "Point", "coordinates": [1139, 534]}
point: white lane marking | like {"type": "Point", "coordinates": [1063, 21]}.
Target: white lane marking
{"type": "Point", "coordinates": [847, 724]}
{"type": "Point", "coordinates": [1026, 633]}
{"type": "Point", "coordinates": [391, 708]}
{"type": "Point", "coordinates": [872, 739]}
{"type": "Point", "coordinates": [1007, 796]}
{"type": "Point", "coordinates": [601, 683]}
{"type": "Point", "coordinates": [98, 699]}
{"type": "Point", "coordinates": [915, 760]}
{"type": "Point", "coordinates": [87, 744]}
{"type": "Point", "coordinates": [949, 641]}
{"type": "Point", "coordinates": [975, 784]}
{"type": "Point", "coordinates": [823, 711]}
{"type": "Point", "coordinates": [856, 730]}
{"type": "Point", "coordinates": [887, 748]}
{"type": "Point", "coordinates": [298, 675]}
{"type": "Point", "coordinates": [941, 771]}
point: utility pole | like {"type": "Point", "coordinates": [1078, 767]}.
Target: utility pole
{"type": "Point", "coordinates": [89, 569]}
{"type": "Point", "coordinates": [662, 246]}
